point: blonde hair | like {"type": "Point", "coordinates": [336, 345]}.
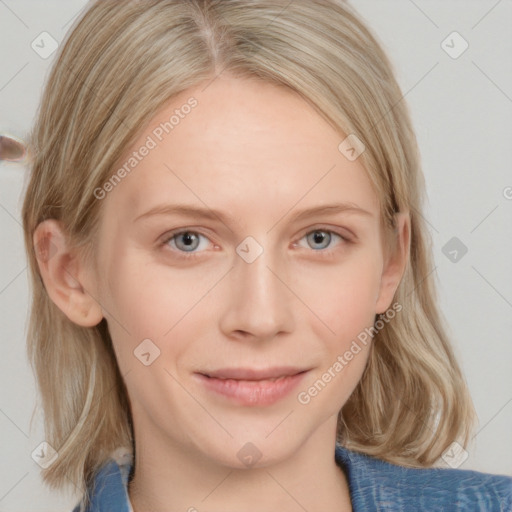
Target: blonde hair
{"type": "Point", "coordinates": [117, 68]}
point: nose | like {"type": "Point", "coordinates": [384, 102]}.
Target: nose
{"type": "Point", "coordinates": [259, 303]}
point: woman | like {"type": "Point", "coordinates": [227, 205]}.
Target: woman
{"type": "Point", "coordinates": [196, 344]}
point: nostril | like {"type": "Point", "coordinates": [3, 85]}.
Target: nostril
{"type": "Point", "coordinates": [11, 150]}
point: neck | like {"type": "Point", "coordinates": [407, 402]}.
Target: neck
{"type": "Point", "coordinates": [177, 478]}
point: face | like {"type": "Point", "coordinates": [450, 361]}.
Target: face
{"type": "Point", "coordinates": [245, 302]}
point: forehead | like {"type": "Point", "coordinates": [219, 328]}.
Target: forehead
{"type": "Point", "coordinates": [243, 142]}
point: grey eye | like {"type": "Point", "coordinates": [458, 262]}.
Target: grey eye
{"type": "Point", "coordinates": [11, 150]}
{"type": "Point", "coordinates": [319, 237]}
{"type": "Point", "coordinates": [189, 238]}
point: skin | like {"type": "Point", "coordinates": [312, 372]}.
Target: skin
{"type": "Point", "coordinates": [258, 153]}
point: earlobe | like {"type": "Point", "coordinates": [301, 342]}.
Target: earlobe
{"type": "Point", "coordinates": [396, 263]}
{"type": "Point", "coordinates": [64, 275]}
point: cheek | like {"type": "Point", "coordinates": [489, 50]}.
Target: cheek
{"type": "Point", "coordinates": [346, 307]}
{"type": "Point", "coordinates": [343, 297]}
{"type": "Point", "coordinates": [145, 300]}
{"type": "Point", "coordinates": [148, 298]}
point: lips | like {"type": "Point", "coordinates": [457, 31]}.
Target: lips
{"type": "Point", "coordinates": [251, 387]}
{"type": "Point", "coordinates": [251, 374]}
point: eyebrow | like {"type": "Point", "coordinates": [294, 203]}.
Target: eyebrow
{"type": "Point", "coordinates": [212, 214]}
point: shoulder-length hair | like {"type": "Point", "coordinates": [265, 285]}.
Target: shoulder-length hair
{"type": "Point", "coordinates": [118, 66]}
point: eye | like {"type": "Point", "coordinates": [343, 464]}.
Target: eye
{"type": "Point", "coordinates": [320, 239]}
{"type": "Point", "coordinates": [185, 241]}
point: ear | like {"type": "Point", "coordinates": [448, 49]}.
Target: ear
{"type": "Point", "coordinates": [395, 263]}
{"type": "Point", "coordinates": [64, 275]}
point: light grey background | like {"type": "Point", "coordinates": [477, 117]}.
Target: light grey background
{"type": "Point", "coordinates": [462, 113]}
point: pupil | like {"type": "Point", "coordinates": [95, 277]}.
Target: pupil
{"type": "Point", "coordinates": [318, 237]}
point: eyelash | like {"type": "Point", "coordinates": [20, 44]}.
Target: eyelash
{"type": "Point", "coordinates": [184, 254]}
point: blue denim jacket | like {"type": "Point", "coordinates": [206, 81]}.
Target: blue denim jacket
{"type": "Point", "coordinates": [375, 486]}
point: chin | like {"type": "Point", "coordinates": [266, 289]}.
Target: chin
{"type": "Point", "coordinates": [250, 452]}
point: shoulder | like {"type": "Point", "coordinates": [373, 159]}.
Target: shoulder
{"type": "Point", "coordinates": [379, 485]}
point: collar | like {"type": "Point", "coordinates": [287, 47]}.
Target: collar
{"type": "Point", "coordinates": [374, 485]}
